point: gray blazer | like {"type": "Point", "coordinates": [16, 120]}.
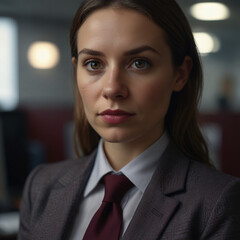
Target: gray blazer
{"type": "Point", "coordinates": [185, 200]}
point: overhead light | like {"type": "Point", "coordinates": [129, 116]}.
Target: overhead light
{"type": "Point", "coordinates": [210, 11]}
{"type": "Point", "coordinates": [206, 43]}
{"type": "Point", "coordinates": [43, 55]}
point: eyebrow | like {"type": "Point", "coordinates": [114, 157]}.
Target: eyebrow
{"type": "Point", "coordinates": [90, 52]}
{"type": "Point", "coordinates": [128, 53]}
{"type": "Point", "coordinates": [140, 50]}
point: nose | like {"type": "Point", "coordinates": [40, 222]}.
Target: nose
{"type": "Point", "coordinates": [115, 87]}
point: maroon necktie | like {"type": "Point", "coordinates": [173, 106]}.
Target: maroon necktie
{"type": "Point", "coordinates": [107, 221]}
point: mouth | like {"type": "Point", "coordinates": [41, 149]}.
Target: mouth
{"type": "Point", "coordinates": [115, 116]}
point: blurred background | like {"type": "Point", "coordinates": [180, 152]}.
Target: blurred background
{"type": "Point", "coordinates": [37, 93]}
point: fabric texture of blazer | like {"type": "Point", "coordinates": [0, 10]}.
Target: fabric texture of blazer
{"type": "Point", "coordinates": [185, 200]}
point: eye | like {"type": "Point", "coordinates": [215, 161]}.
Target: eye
{"type": "Point", "coordinates": [140, 64]}
{"type": "Point", "coordinates": [93, 65]}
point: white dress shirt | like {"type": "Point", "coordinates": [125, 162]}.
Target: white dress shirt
{"type": "Point", "coordinates": [139, 171]}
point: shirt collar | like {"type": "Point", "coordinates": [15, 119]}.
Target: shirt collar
{"type": "Point", "coordinates": [139, 170]}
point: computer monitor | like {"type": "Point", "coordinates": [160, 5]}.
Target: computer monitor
{"type": "Point", "coordinates": [14, 162]}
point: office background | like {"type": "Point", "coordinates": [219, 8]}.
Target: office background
{"type": "Point", "coordinates": [36, 109]}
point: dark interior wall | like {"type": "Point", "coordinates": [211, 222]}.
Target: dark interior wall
{"type": "Point", "coordinates": [44, 87]}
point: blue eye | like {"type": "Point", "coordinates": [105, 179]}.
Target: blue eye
{"type": "Point", "coordinates": [140, 64]}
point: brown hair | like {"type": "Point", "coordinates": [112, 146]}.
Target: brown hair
{"type": "Point", "coordinates": [181, 119]}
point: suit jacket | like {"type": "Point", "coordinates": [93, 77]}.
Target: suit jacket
{"type": "Point", "coordinates": [185, 200]}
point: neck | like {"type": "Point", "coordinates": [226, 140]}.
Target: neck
{"type": "Point", "coordinates": [120, 154]}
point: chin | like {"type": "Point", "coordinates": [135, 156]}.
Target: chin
{"type": "Point", "coordinates": [115, 139]}
{"type": "Point", "coordinates": [114, 136]}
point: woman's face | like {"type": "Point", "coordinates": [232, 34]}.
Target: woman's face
{"type": "Point", "coordinates": [125, 75]}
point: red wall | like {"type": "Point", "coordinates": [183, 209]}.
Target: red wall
{"type": "Point", "coordinates": [46, 125]}
{"type": "Point", "coordinates": [230, 149]}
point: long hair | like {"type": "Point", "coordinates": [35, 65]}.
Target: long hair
{"type": "Point", "coordinates": [181, 120]}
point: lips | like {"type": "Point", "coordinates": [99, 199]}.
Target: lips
{"type": "Point", "coordinates": [115, 116]}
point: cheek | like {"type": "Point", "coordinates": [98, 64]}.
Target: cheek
{"type": "Point", "coordinates": [85, 88]}
{"type": "Point", "coordinates": [83, 92]}
{"type": "Point", "coordinates": [89, 94]}
{"type": "Point", "coordinates": [86, 95]}
{"type": "Point", "coordinates": [156, 95]}
{"type": "Point", "coordinates": [89, 87]}
{"type": "Point", "coordinates": [87, 102]}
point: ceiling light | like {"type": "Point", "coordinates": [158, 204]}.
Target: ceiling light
{"type": "Point", "coordinates": [210, 11]}
{"type": "Point", "coordinates": [206, 43]}
{"type": "Point", "coordinates": [43, 55]}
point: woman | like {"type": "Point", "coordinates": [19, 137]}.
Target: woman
{"type": "Point", "coordinates": [138, 81]}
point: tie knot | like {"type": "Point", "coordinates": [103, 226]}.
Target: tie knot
{"type": "Point", "coordinates": [115, 187]}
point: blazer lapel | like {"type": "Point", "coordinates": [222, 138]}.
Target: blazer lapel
{"type": "Point", "coordinates": [58, 216]}
{"type": "Point", "coordinates": [157, 207]}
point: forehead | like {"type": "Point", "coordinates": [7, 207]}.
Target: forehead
{"type": "Point", "coordinates": [121, 25]}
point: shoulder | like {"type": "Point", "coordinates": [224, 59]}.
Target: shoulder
{"type": "Point", "coordinates": [199, 176]}
{"type": "Point", "coordinates": [209, 180]}
{"type": "Point", "coordinates": [215, 194]}
{"type": "Point", "coordinates": [203, 187]}
{"type": "Point", "coordinates": [50, 182]}
{"type": "Point", "coordinates": [211, 186]}
{"type": "Point", "coordinates": [50, 175]}
{"type": "Point", "coordinates": [55, 170]}
{"type": "Point", "coordinates": [215, 197]}
{"type": "Point", "coordinates": [210, 201]}
{"type": "Point", "coordinates": [177, 172]}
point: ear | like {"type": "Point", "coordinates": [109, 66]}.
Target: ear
{"type": "Point", "coordinates": [74, 62]}
{"type": "Point", "coordinates": [183, 73]}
